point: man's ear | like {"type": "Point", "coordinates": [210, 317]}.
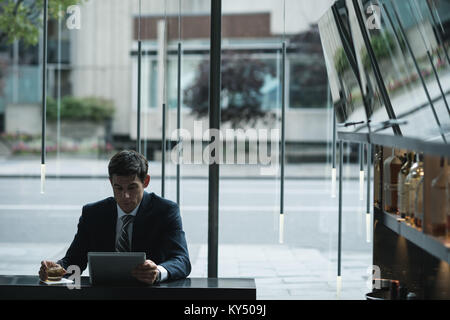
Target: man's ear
{"type": "Point", "coordinates": [146, 181]}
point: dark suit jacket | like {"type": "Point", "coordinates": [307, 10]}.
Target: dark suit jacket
{"type": "Point", "coordinates": [157, 231]}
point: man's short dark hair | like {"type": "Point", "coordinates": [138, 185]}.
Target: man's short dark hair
{"type": "Point", "coordinates": [128, 163]}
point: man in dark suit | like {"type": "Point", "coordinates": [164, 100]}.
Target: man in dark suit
{"type": "Point", "coordinates": [132, 220]}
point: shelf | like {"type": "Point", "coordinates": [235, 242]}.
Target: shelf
{"type": "Point", "coordinates": [424, 241]}
{"type": "Point", "coordinates": [397, 142]}
{"type": "Point", "coordinates": [354, 136]}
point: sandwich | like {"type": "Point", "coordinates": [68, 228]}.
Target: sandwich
{"type": "Point", "coordinates": [55, 273]}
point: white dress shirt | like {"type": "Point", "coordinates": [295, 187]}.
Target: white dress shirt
{"type": "Point", "coordinates": [162, 271]}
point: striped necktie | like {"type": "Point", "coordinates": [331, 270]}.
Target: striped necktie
{"type": "Point", "coordinates": [123, 244]}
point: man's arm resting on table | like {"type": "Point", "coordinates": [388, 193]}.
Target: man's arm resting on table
{"type": "Point", "coordinates": [174, 244]}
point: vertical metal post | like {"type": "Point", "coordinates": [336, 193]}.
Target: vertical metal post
{"type": "Point", "coordinates": [369, 203]}
{"type": "Point", "coordinates": [44, 94]}
{"type": "Point", "coordinates": [179, 122]}
{"type": "Point", "coordinates": [361, 171]}
{"type": "Point", "coordinates": [58, 115]}
{"type": "Point", "coordinates": [163, 120]}
{"type": "Point", "coordinates": [163, 151]}
{"type": "Point", "coordinates": [138, 116]}
{"type": "Point", "coordinates": [179, 104]}
{"type": "Point", "coordinates": [214, 123]}
{"type": "Point", "coordinates": [333, 169]}
{"type": "Point", "coordinates": [339, 277]}
{"type": "Point", "coordinates": [283, 141]}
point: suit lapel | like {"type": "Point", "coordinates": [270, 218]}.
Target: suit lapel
{"type": "Point", "coordinates": [111, 224]}
{"type": "Point", "coordinates": [142, 216]}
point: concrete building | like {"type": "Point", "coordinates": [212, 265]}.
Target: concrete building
{"type": "Point", "coordinates": [101, 60]}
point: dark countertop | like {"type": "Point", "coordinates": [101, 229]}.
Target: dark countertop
{"type": "Point", "coordinates": [27, 287]}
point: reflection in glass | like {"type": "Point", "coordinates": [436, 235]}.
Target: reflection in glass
{"type": "Point", "coordinates": [412, 63]}
{"type": "Point", "coordinates": [345, 89]}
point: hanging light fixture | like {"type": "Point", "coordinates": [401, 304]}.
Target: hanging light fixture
{"type": "Point", "coordinates": [179, 105]}
{"type": "Point", "coordinates": [138, 125]}
{"type": "Point", "coordinates": [163, 120]}
{"type": "Point", "coordinates": [339, 276]}
{"type": "Point", "coordinates": [368, 219]}
{"type": "Point", "coordinates": [58, 105]}
{"type": "Point", "coordinates": [361, 171]}
{"type": "Point", "coordinates": [283, 122]}
{"type": "Point", "coordinates": [333, 168]}
{"type": "Point", "coordinates": [44, 95]}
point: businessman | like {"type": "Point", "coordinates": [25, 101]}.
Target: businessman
{"type": "Point", "coordinates": [132, 220]}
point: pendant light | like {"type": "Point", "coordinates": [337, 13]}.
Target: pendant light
{"type": "Point", "coordinates": [44, 95]}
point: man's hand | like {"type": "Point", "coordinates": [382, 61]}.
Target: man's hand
{"type": "Point", "coordinates": [45, 265]}
{"type": "Point", "coordinates": [146, 272]}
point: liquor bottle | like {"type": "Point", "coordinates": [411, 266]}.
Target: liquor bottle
{"type": "Point", "coordinates": [403, 191]}
{"type": "Point", "coordinates": [391, 168]}
{"type": "Point", "coordinates": [377, 164]}
{"type": "Point", "coordinates": [447, 193]}
{"type": "Point", "coordinates": [418, 204]}
{"type": "Point", "coordinates": [439, 202]}
{"type": "Point", "coordinates": [413, 180]}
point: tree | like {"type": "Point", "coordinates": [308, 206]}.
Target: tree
{"type": "Point", "coordinates": [22, 19]}
{"type": "Point", "coordinates": [242, 79]}
{"type": "Point", "coordinates": [308, 75]}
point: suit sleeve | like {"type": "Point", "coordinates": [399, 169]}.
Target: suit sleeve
{"type": "Point", "coordinates": [77, 252]}
{"type": "Point", "coordinates": [174, 245]}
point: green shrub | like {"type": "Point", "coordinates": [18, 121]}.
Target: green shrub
{"type": "Point", "coordinates": [382, 45]}
{"type": "Point", "coordinates": [341, 63]}
{"type": "Point", "coordinates": [80, 109]}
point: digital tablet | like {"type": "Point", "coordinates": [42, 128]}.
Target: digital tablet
{"type": "Point", "coordinates": [112, 268]}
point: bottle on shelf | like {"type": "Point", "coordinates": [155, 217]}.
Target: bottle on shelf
{"type": "Point", "coordinates": [403, 186]}
{"type": "Point", "coordinates": [377, 165]}
{"type": "Point", "coordinates": [439, 202]}
{"type": "Point", "coordinates": [418, 204]}
{"type": "Point", "coordinates": [447, 196]}
{"type": "Point", "coordinates": [413, 180]}
{"type": "Point", "coordinates": [391, 168]}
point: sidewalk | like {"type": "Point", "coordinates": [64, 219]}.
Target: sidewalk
{"type": "Point", "coordinates": [95, 168]}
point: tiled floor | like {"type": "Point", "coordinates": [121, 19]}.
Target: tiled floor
{"type": "Point", "coordinates": [283, 272]}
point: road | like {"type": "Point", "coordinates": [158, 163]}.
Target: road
{"type": "Point", "coordinates": [248, 210]}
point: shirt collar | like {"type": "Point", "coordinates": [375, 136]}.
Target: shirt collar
{"type": "Point", "coordinates": [121, 213]}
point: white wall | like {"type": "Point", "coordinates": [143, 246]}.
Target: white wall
{"type": "Point", "coordinates": [102, 65]}
{"type": "Point", "coordinates": [24, 118]}
{"type": "Point", "coordinates": [100, 56]}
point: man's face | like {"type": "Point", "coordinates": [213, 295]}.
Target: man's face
{"type": "Point", "coordinates": [128, 191]}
